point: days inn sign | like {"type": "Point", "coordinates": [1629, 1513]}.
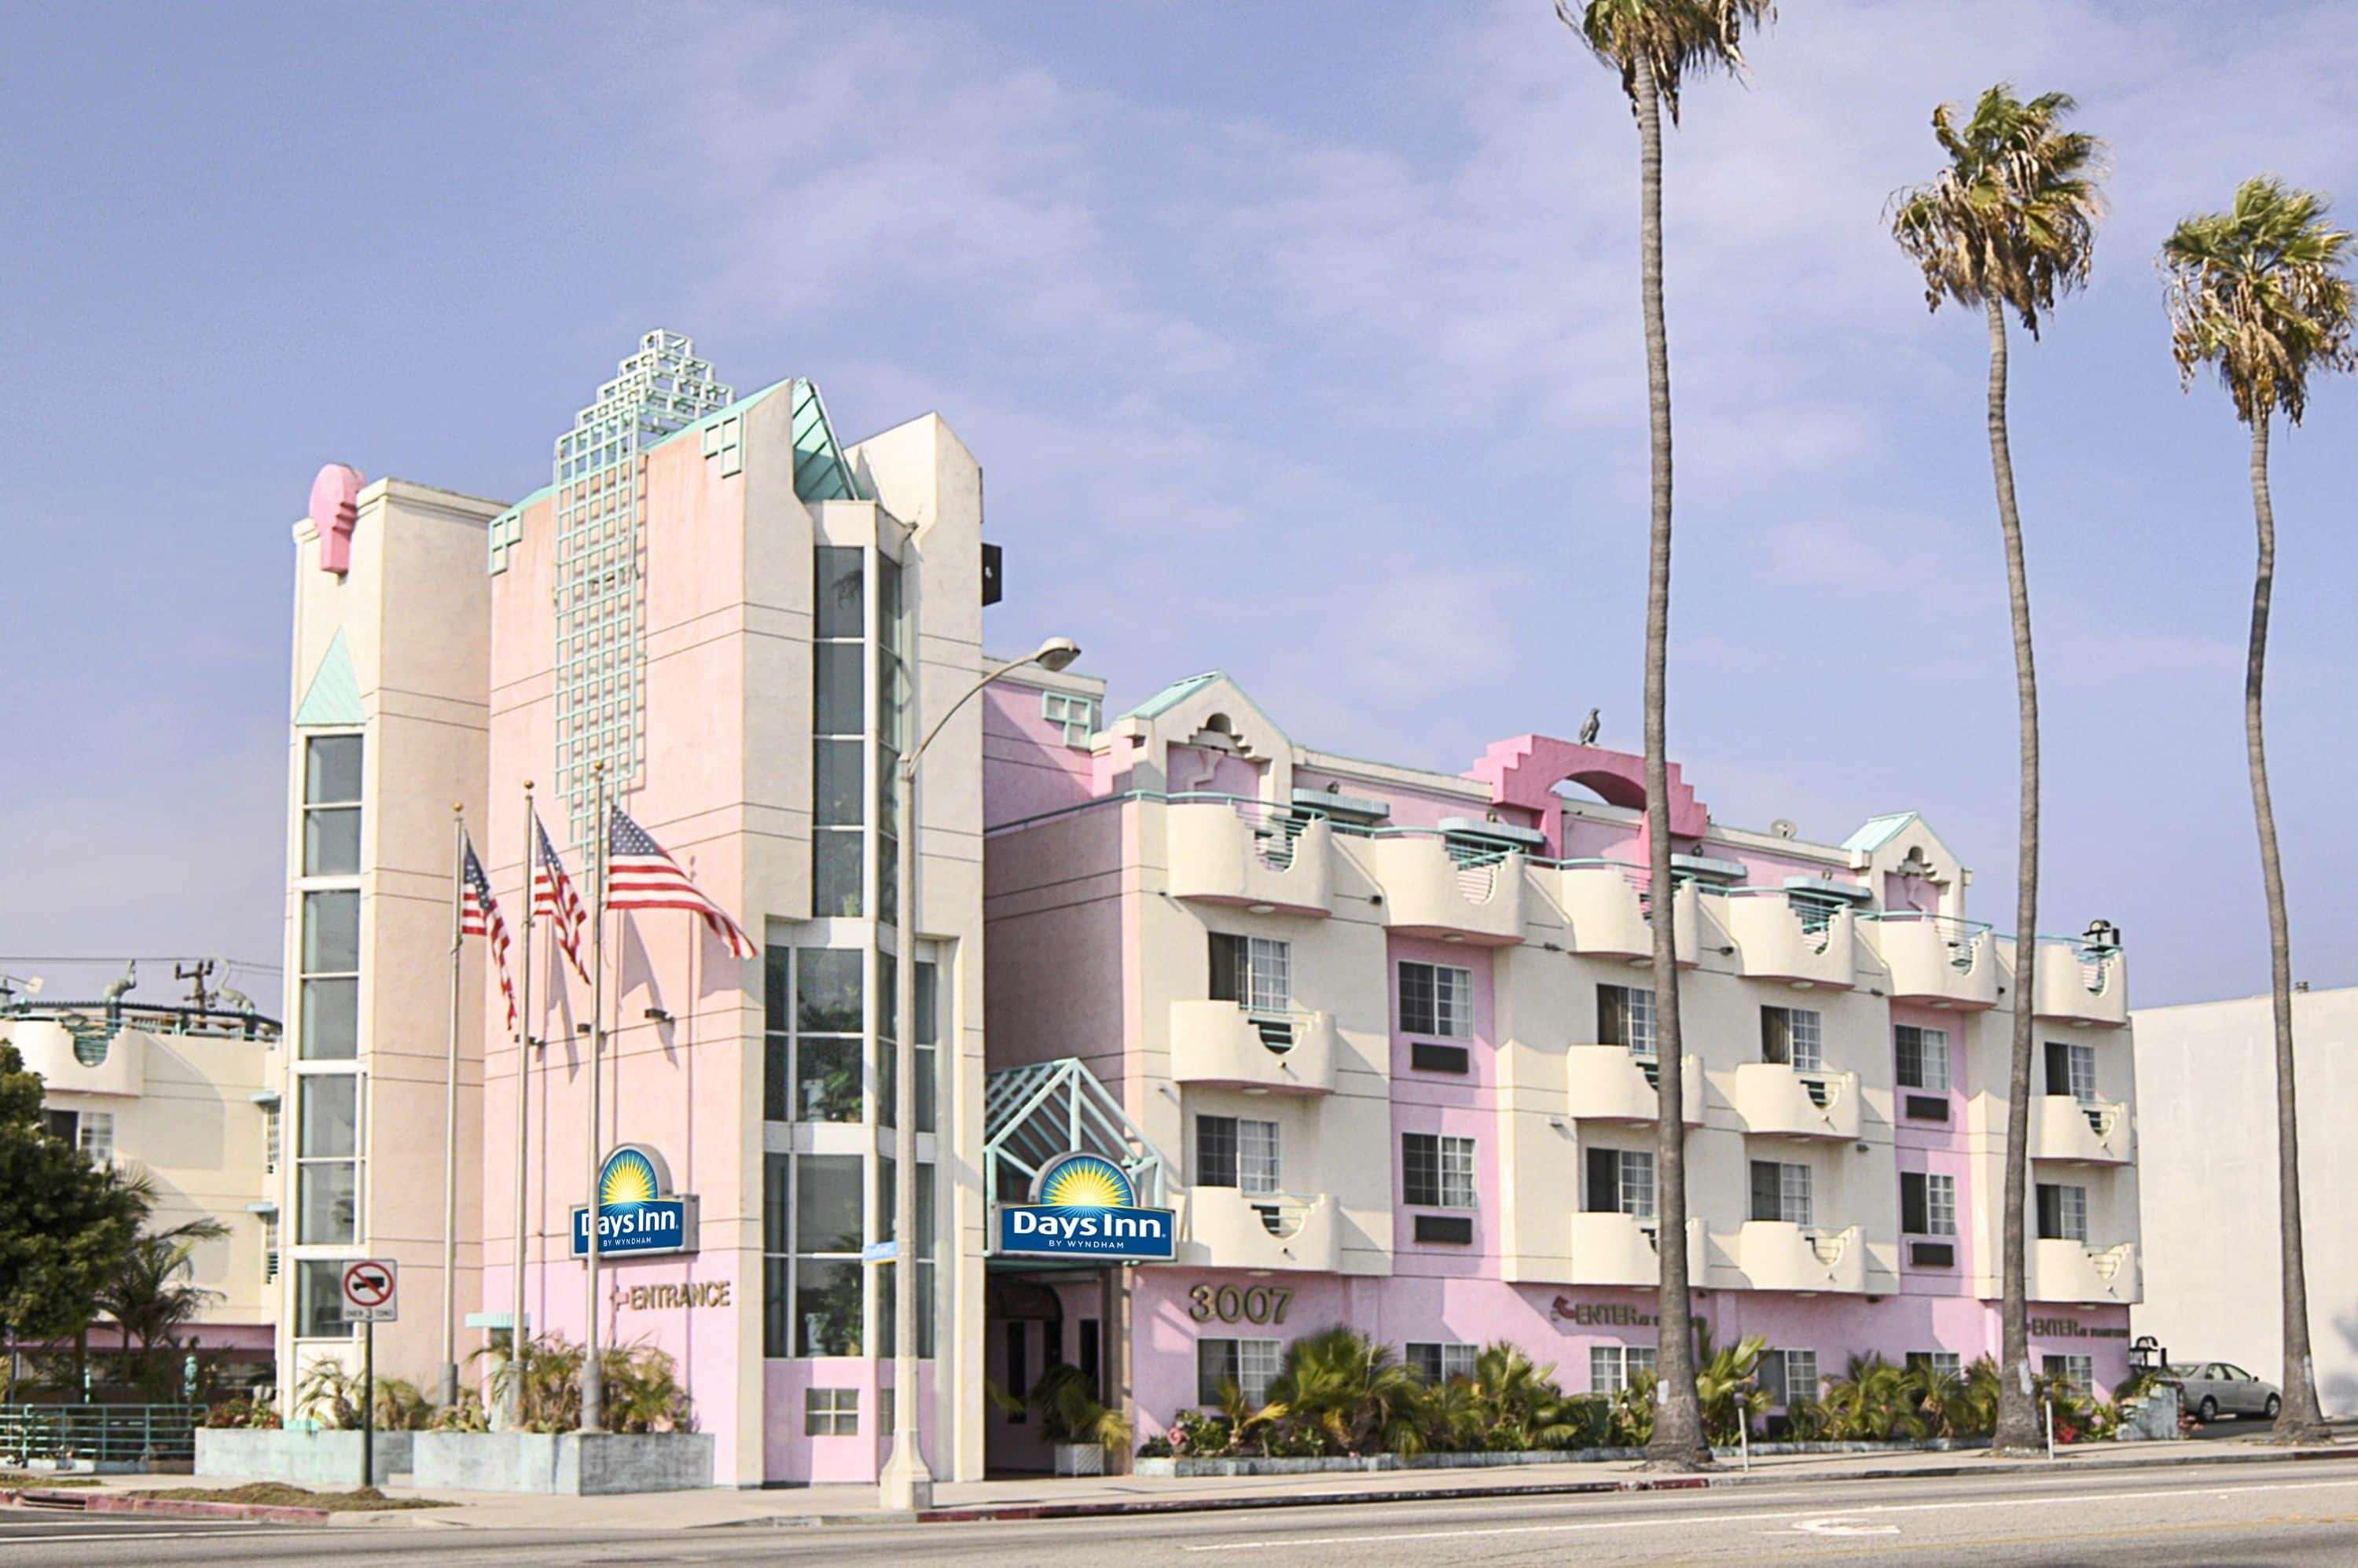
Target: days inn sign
{"type": "Point", "coordinates": [638, 1214]}
{"type": "Point", "coordinates": [1085, 1207]}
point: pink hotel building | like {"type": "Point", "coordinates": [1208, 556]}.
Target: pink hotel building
{"type": "Point", "coordinates": [1381, 1037]}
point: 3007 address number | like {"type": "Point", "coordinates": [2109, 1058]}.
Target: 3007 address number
{"type": "Point", "coordinates": [1230, 1304]}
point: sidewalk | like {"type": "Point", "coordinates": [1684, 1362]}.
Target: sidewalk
{"type": "Point", "coordinates": [1045, 1498]}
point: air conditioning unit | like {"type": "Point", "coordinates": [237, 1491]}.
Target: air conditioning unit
{"type": "Point", "coordinates": [1925, 1108]}
{"type": "Point", "coordinates": [1932, 1254]}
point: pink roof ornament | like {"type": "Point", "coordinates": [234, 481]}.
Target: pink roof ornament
{"type": "Point", "coordinates": [335, 507]}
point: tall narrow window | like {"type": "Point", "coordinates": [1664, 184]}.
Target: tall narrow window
{"type": "Point", "coordinates": [891, 724]}
{"type": "Point", "coordinates": [327, 1158]}
{"type": "Point", "coordinates": [320, 1300]}
{"type": "Point", "coordinates": [1922, 1058]}
{"type": "Point", "coordinates": [331, 1001]}
{"type": "Point", "coordinates": [1625, 1016]}
{"type": "Point", "coordinates": [1782, 1192]}
{"type": "Point", "coordinates": [1436, 1000]}
{"type": "Point", "coordinates": [1794, 1036]}
{"type": "Point", "coordinates": [888, 1279]}
{"type": "Point", "coordinates": [812, 1043]}
{"type": "Point", "coordinates": [839, 730]}
{"type": "Point", "coordinates": [331, 805]}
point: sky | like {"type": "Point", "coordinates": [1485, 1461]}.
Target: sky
{"type": "Point", "coordinates": [1300, 342]}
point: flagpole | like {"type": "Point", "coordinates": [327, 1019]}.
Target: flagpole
{"type": "Point", "coordinates": [523, 1124]}
{"type": "Point", "coordinates": [593, 1376]}
{"type": "Point", "coordinates": [449, 1389]}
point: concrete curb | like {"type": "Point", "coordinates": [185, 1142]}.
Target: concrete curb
{"type": "Point", "coordinates": [1020, 1512]}
{"type": "Point", "coordinates": [94, 1501]}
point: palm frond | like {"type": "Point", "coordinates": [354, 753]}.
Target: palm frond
{"type": "Point", "coordinates": [1673, 38]}
{"type": "Point", "coordinates": [2258, 293]}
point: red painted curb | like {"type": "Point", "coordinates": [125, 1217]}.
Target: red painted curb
{"type": "Point", "coordinates": [98, 1502]}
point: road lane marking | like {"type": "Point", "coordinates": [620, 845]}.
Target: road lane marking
{"type": "Point", "coordinates": [1697, 1517]}
{"type": "Point", "coordinates": [1838, 1526]}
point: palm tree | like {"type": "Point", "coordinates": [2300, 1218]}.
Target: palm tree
{"type": "Point", "coordinates": [1654, 44]}
{"type": "Point", "coordinates": [1351, 1391]}
{"type": "Point", "coordinates": [2010, 222]}
{"type": "Point", "coordinates": [149, 1295]}
{"type": "Point", "coordinates": [2257, 292]}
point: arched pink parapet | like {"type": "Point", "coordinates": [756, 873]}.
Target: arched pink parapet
{"type": "Point", "coordinates": [335, 507]}
{"type": "Point", "coordinates": [1525, 771]}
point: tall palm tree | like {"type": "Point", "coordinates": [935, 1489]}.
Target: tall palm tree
{"type": "Point", "coordinates": [1655, 45]}
{"type": "Point", "coordinates": [2010, 222]}
{"type": "Point", "coordinates": [2257, 292]}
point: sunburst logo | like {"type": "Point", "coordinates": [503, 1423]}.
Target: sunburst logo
{"type": "Point", "coordinates": [1085, 1181]}
{"type": "Point", "coordinates": [629, 1178]}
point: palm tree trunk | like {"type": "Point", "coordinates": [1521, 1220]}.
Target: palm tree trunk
{"type": "Point", "coordinates": [2298, 1419]}
{"type": "Point", "coordinates": [2017, 1411]}
{"type": "Point", "coordinates": [1678, 1440]}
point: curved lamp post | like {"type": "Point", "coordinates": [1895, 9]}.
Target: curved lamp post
{"type": "Point", "coordinates": [906, 1483]}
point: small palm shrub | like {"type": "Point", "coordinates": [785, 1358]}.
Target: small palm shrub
{"type": "Point", "coordinates": [641, 1388]}
{"type": "Point", "coordinates": [1066, 1400]}
{"type": "Point", "coordinates": [242, 1412]}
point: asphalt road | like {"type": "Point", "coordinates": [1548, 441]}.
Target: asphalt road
{"type": "Point", "coordinates": [2259, 1514]}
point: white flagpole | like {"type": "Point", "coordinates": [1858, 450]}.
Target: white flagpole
{"type": "Point", "coordinates": [449, 1389]}
{"type": "Point", "coordinates": [593, 1376]}
{"type": "Point", "coordinates": [523, 1124]}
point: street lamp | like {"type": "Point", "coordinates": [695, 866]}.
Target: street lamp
{"type": "Point", "coordinates": [907, 1484]}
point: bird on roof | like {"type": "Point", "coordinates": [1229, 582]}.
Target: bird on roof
{"type": "Point", "coordinates": [1589, 730]}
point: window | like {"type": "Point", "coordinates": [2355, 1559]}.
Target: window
{"type": "Point", "coordinates": [1611, 1367]}
{"type": "Point", "coordinates": [1092, 1353]}
{"type": "Point", "coordinates": [2079, 1371]}
{"type": "Point", "coordinates": [331, 1001]}
{"type": "Point", "coordinates": [1437, 999]}
{"type": "Point", "coordinates": [839, 728]}
{"type": "Point", "coordinates": [812, 1048]}
{"type": "Point", "coordinates": [888, 1279]}
{"type": "Point", "coordinates": [888, 1002]}
{"type": "Point", "coordinates": [269, 1249]}
{"type": "Point", "coordinates": [91, 1131]}
{"type": "Point", "coordinates": [811, 1228]}
{"type": "Point", "coordinates": [270, 1138]}
{"type": "Point", "coordinates": [1923, 1057]}
{"type": "Point", "coordinates": [1794, 1036]}
{"type": "Point", "coordinates": [1237, 1151]}
{"type": "Point", "coordinates": [1787, 1376]}
{"type": "Point", "coordinates": [1625, 1016]}
{"type": "Point", "coordinates": [1250, 1364]}
{"type": "Point", "coordinates": [1781, 1192]}
{"type": "Point", "coordinates": [1940, 1363]}
{"type": "Point", "coordinates": [327, 1158]}
{"type": "Point", "coordinates": [319, 1298]}
{"type": "Point", "coordinates": [1621, 1180]}
{"type": "Point", "coordinates": [1439, 1363]}
{"type": "Point", "coordinates": [830, 1413]}
{"type": "Point", "coordinates": [1436, 1172]}
{"type": "Point", "coordinates": [1075, 716]}
{"type": "Point", "coordinates": [2072, 1070]}
{"type": "Point", "coordinates": [892, 694]}
{"type": "Point", "coordinates": [331, 805]}
{"type": "Point", "coordinates": [1928, 1203]}
{"type": "Point", "coordinates": [1255, 972]}
{"type": "Point", "coordinates": [2062, 1213]}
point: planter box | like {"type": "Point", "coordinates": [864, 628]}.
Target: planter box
{"type": "Point", "coordinates": [1080, 1459]}
{"type": "Point", "coordinates": [569, 1463]}
{"type": "Point", "coordinates": [302, 1459]}
{"type": "Point", "coordinates": [1178, 1468]}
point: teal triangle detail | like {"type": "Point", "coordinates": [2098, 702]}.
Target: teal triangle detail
{"type": "Point", "coordinates": [820, 472]}
{"type": "Point", "coordinates": [334, 699]}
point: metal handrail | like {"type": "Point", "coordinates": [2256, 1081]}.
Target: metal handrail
{"type": "Point", "coordinates": [187, 1021]}
{"type": "Point", "coordinates": [105, 1434]}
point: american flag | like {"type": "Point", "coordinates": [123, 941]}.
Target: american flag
{"type": "Point", "coordinates": [553, 895]}
{"type": "Point", "coordinates": [639, 875]}
{"type": "Point", "coordinates": [478, 916]}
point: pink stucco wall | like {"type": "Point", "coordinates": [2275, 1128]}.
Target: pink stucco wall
{"type": "Point", "coordinates": [1027, 768]}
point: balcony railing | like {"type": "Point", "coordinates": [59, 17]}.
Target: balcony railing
{"type": "Point", "coordinates": [1229, 849]}
{"type": "Point", "coordinates": [1611, 1083]}
{"type": "Point", "coordinates": [2076, 1272]}
{"type": "Point", "coordinates": [1434, 885]}
{"type": "Point", "coordinates": [1774, 1100]}
{"type": "Point", "coordinates": [2083, 981]}
{"type": "Point", "coordinates": [2093, 1132]}
{"type": "Point", "coordinates": [1935, 959]}
{"type": "Point", "coordinates": [1610, 913]}
{"type": "Point", "coordinates": [1228, 1043]}
{"type": "Point", "coordinates": [1226, 1229]}
{"type": "Point", "coordinates": [1777, 1254]}
{"type": "Point", "coordinates": [1797, 936]}
{"type": "Point", "coordinates": [1622, 1249]}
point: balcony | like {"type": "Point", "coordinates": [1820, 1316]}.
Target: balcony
{"type": "Point", "coordinates": [1222, 1043]}
{"type": "Point", "coordinates": [1802, 940]}
{"type": "Point", "coordinates": [2089, 1132]}
{"type": "Point", "coordinates": [1622, 1249]}
{"type": "Point", "coordinates": [1777, 1255]}
{"type": "Point", "coordinates": [1935, 960]}
{"type": "Point", "coordinates": [1608, 1083]}
{"type": "Point", "coordinates": [2075, 1271]}
{"type": "Point", "coordinates": [2083, 982]}
{"type": "Point", "coordinates": [1225, 1228]}
{"type": "Point", "coordinates": [79, 1055]}
{"type": "Point", "coordinates": [1773, 1100]}
{"type": "Point", "coordinates": [1243, 852]}
{"type": "Point", "coordinates": [1432, 887]}
{"type": "Point", "coordinates": [1609, 916]}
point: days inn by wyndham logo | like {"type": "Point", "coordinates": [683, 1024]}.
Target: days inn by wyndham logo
{"type": "Point", "coordinates": [638, 1214]}
{"type": "Point", "coordinates": [1086, 1207]}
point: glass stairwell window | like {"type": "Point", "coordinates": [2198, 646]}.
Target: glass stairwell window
{"type": "Point", "coordinates": [1257, 974]}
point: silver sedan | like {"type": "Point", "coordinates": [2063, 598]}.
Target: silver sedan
{"type": "Point", "coordinates": [2214, 1389]}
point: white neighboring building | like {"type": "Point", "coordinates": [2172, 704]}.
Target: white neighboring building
{"type": "Point", "coordinates": [2207, 1129]}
